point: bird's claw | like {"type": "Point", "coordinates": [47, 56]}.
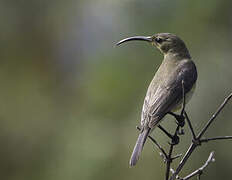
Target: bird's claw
{"type": "Point", "coordinates": [175, 140]}
{"type": "Point", "coordinates": [180, 120]}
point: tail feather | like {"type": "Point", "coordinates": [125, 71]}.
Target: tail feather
{"type": "Point", "coordinates": [139, 146]}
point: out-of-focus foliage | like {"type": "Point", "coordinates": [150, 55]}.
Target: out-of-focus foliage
{"type": "Point", "coordinates": [70, 101]}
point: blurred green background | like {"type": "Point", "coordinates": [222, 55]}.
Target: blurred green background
{"type": "Point", "coordinates": [70, 101]}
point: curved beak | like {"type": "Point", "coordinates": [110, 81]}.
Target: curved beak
{"type": "Point", "coordinates": [135, 38]}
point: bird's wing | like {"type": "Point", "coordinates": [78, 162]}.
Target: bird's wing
{"type": "Point", "coordinates": [168, 94]}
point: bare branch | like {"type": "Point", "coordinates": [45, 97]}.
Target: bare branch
{"type": "Point", "coordinates": [190, 125]}
{"type": "Point", "coordinates": [170, 158]}
{"type": "Point", "coordinates": [215, 138]}
{"type": "Point", "coordinates": [176, 156]}
{"type": "Point", "coordinates": [173, 171]}
{"type": "Point", "coordinates": [157, 144]}
{"type": "Point", "coordinates": [196, 142]}
{"type": "Point", "coordinates": [169, 161]}
{"type": "Point", "coordinates": [214, 116]}
{"type": "Point", "coordinates": [200, 170]}
{"type": "Point", "coordinates": [183, 161]}
{"type": "Point", "coordinates": [164, 130]}
{"type": "Point", "coordinates": [183, 104]}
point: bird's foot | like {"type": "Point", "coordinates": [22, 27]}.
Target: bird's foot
{"type": "Point", "coordinates": [175, 140]}
{"type": "Point", "coordinates": [180, 119]}
{"type": "Point", "coordinates": [180, 131]}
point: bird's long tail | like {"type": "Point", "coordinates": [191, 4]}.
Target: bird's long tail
{"type": "Point", "coordinates": [139, 146]}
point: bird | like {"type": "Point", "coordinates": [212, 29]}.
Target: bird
{"type": "Point", "coordinates": [165, 92]}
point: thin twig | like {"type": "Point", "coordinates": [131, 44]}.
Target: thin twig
{"type": "Point", "coordinates": [169, 161]}
{"type": "Point", "coordinates": [157, 144]}
{"type": "Point", "coordinates": [170, 158]}
{"type": "Point", "coordinates": [215, 138]}
{"type": "Point", "coordinates": [183, 161]}
{"type": "Point", "coordinates": [197, 141]}
{"type": "Point", "coordinates": [176, 156]}
{"type": "Point", "coordinates": [160, 148]}
{"type": "Point", "coordinates": [200, 170]}
{"type": "Point", "coordinates": [214, 116]}
{"type": "Point", "coordinates": [173, 171]}
{"type": "Point", "coordinates": [175, 135]}
{"type": "Point", "coordinates": [165, 131]}
{"type": "Point", "coordinates": [183, 104]}
{"type": "Point", "coordinates": [190, 125]}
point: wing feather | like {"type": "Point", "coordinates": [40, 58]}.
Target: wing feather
{"type": "Point", "coordinates": [168, 93]}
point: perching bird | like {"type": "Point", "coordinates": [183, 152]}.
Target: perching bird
{"type": "Point", "coordinates": [165, 92]}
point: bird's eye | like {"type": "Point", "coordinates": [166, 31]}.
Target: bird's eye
{"type": "Point", "coordinates": [158, 40]}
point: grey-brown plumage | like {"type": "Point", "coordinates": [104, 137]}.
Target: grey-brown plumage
{"type": "Point", "coordinates": [164, 93]}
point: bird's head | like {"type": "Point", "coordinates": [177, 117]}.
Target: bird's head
{"type": "Point", "coordinates": [165, 42]}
